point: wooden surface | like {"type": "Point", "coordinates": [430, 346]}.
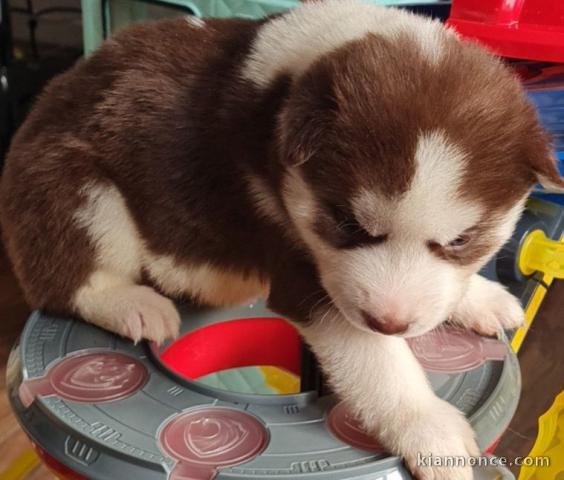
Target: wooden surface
{"type": "Point", "coordinates": [541, 358]}
{"type": "Point", "coordinates": [13, 312]}
{"type": "Point", "coordinates": [542, 367]}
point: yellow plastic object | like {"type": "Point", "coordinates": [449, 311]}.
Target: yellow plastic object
{"type": "Point", "coordinates": [549, 444]}
{"type": "Point", "coordinates": [541, 254]}
{"type": "Point", "coordinates": [530, 313]}
{"type": "Point", "coordinates": [21, 466]}
{"type": "Point", "coordinates": [280, 380]}
{"type": "Point", "coordinates": [538, 254]}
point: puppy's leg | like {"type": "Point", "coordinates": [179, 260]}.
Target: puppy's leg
{"type": "Point", "coordinates": [487, 308]}
{"type": "Point", "coordinates": [377, 375]}
{"type": "Point", "coordinates": [111, 296]}
{"type": "Point", "coordinates": [386, 388]}
{"type": "Point", "coordinates": [73, 243]}
{"type": "Point", "coordinates": [204, 283]}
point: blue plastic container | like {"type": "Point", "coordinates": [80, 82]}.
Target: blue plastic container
{"type": "Point", "coordinates": [546, 90]}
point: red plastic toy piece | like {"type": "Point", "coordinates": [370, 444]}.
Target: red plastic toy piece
{"type": "Point", "coordinates": [233, 344]}
{"type": "Point", "coordinates": [525, 29]}
{"type": "Point", "coordinates": [205, 439]}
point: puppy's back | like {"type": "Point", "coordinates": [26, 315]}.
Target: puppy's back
{"type": "Point", "coordinates": [119, 117]}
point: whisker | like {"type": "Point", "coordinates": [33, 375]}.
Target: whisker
{"type": "Point", "coordinates": [306, 298]}
{"type": "Point", "coordinates": [316, 304]}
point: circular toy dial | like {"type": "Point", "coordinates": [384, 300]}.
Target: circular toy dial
{"type": "Point", "coordinates": [207, 438]}
{"type": "Point", "coordinates": [348, 429]}
{"type": "Point", "coordinates": [94, 377]}
{"type": "Point", "coordinates": [449, 349]}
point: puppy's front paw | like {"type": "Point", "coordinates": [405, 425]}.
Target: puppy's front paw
{"type": "Point", "coordinates": [439, 444]}
{"type": "Point", "coordinates": [487, 308]}
{"type": "Point", "coordinates": [133, 311]}
{"type": "Point", "coordinates": [148, 315]}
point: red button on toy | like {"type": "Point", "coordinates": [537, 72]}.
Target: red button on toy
{"type": "Point", "coordinates": [88, 378]}
{"type": "Point", "coordinates": [207, 438]}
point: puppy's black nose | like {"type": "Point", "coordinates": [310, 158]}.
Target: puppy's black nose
{"type": "Point", "coordinates": [385, 325]}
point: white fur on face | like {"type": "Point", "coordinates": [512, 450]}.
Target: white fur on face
{"type": "Point", "coordinates": [432, 208]}
{"type": "Point", "coordinates": [505, 223]}
{"type": "Point", "coordinates": [301, 204]}
{"type": "Point", "coordinates": [401, 279]}
{"type": "Point", "coordinates": [398, 280]}
{"type": "Point", "coordinates": [291, 43]}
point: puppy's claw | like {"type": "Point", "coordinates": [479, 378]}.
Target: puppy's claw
{"type": "Point", "coordinates": [133, 311]}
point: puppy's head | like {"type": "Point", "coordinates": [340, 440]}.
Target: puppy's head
{"type": "Point", "coordinates": [406, 172]}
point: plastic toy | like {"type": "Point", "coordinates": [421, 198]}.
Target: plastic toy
{"type": "Point", "coordinates": [545, 85]}
{"type": "Point", "coordinates": [549, 444]}
{"type": "Point", "coordinates": [98, 405]}
{"type": "Point", "coordinates": [527, 29]}
{"type": "Point", "coordinates": [539, 254]}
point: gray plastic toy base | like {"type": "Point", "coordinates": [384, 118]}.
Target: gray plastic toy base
{"type": "Point", "coordinates": [70, 392]}
{"type": "Point", "coordinates": [108, 409]}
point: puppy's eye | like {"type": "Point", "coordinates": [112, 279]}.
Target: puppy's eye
{"type": "Point", "coordinates": [459, 242]}
{"type": "Point", "coordinates": [345, 222]}
{"type": "Point", "coordinates": [350, 232]}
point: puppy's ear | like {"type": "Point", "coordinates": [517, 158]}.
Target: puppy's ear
{"type": "Point", "coordinates": [299, 137]}
{"type": "Point", "coordinates": [545, 166]}
{"type": "Point", "coordinates": [307, 118]}
{"type": "Point", "coordinates": [548, 175]}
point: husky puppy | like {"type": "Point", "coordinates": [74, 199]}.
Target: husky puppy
{"type": "Point", "coordinates": [355, 165]}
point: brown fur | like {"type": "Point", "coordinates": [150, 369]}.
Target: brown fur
{"type": "Point", "coordinates": [371, 127]}
{"type": "Point", "coordinates": [137, 114]}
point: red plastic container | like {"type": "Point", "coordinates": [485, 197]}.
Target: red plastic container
{"type": "Point", "coordinates": [234, 344]}
{"type": "Point", "coordinates": [525, 29]}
